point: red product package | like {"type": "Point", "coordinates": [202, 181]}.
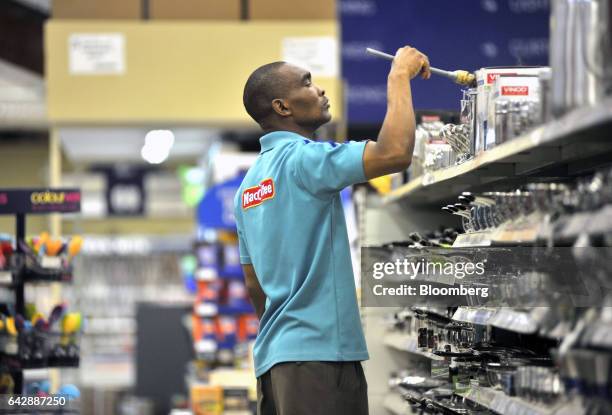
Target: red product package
{"type": "Point", "coordinates": [248, 326]}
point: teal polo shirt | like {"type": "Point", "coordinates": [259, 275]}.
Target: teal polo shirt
{"type": "Point", "coordinates": [291, 227]}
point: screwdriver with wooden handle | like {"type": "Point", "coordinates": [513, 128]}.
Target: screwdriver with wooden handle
{"type": "Point", "coordinates": [460, 77]}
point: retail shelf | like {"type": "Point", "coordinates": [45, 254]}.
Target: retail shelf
{"type": "Point", "coordinates": [41, 374]}
{"type": "Point", "coordinates": [589, 223]}
{"type": "Point", "coordinates": [397, 405]}
{"type": "Point", "coordinates": [503, 404]}
{"type": "Point", "coordinates": [560, 142]}
{"type": "Point", "coordinates": [473, 239]}
{"type": "Point", "coordinates": [559, 331]}
{"type": "Point", "coordinates": [6, 294]}
{"type": "Point", "coordinates": [598, 335]}
{"type": "Point", "coordinates": [14, 363]}
{"type": "Point", "coordinates": [437, 311]}
{"type": "Point", "coordinates": [576, 406]}
{"type": "Point", "coordinates": [534, 228]}
{"type": "Point", "coordinates": [407, 343]}
{"type": "Point", "coordinates": [514, 320]}
{"type": "Point", "coordinates": [509, 234]}
{"type": "Point", "coordinates": [474, 315]}
{"type": "Point", "coordinates": [518, 321]}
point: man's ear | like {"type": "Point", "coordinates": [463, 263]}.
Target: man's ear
{"type": "Point", "coordinates": [278, 105]}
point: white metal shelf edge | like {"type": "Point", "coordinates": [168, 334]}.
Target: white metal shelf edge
{"type": "Point", "coordinates": [570, 125]}
{"type": "Point", "coordinates": [395, 404]}
{"type": "Point", "coordinates": [407, 343]}
{"type": "Point", "coordinates": [503, 404]}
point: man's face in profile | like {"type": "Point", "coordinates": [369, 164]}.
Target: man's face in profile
{"type": "Point", "coordinates": [308, 103]}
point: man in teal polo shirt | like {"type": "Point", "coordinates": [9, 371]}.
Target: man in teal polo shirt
{"type": "Point", "coordinates": [293, 241]}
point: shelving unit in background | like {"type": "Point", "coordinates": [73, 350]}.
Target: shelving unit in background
{"type": "Point", "coordinates": [221, 300]}
{"type": "Point", "coordinates": [224, 325]}
{"type": "Point", "coordinates": [20, 202]}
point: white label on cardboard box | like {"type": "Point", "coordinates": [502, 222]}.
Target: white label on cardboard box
{"type": "Point", "coordinates": [96, 54]}
{"type": "Point", "coordinates": [51, 262]}
{"type": "Point", "coordinates": [318, 54]}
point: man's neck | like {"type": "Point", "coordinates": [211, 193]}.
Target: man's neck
{"type": "Point", "coordinates": [304, 132]}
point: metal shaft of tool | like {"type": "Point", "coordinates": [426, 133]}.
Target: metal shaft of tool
{"type": "Point", "coordinates": [433, 70]}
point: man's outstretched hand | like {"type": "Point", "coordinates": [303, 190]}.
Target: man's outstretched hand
{"type": "Point", "coordinates": [410, 62]}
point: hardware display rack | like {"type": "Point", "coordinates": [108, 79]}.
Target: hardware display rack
{"type": "Point", "coordinates": [567, 159]}
{"type": "Point", "coordinates": [21, 202]}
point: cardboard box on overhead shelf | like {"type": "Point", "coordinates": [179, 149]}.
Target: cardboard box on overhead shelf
{"type": "Point", "coordinates": [186, 77]}
{"type": "Point", "coordinates": [97, 9]}
{"type": "Point", "coordinates": [292, 9]}
{"type": "Point", "coordinates": [195, 9]}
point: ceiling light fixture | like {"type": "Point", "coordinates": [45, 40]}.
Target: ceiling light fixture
{"type": "Point", "coordinates": [157, 146]}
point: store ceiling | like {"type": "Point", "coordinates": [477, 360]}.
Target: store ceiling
{"type": "Point", "coordinates": [111, 145]}
{"type": "Point", "coordinates": [41, 5]}
{"type": "Point", "coordinates": [21, 35]}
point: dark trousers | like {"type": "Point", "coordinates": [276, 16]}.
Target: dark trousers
{"type": "Point", "coordinates": [313, 388]}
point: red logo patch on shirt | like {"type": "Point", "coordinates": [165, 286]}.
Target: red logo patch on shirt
{"type": "Point", "coordinates": [256, 195]}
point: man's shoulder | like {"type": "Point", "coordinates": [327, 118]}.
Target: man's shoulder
{"type": "Point", "coordinates": [238, 195]}
{"type": "Point", "coordinates": [244, 184]}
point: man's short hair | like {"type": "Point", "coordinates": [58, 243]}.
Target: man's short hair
{"type": "Point", "coordinates": [261, 88]}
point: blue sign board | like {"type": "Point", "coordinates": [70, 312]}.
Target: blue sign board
{"type": "Point", "coordinates": [216, 210]}
{"type": "Point", "coordinates": [468, 34]}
